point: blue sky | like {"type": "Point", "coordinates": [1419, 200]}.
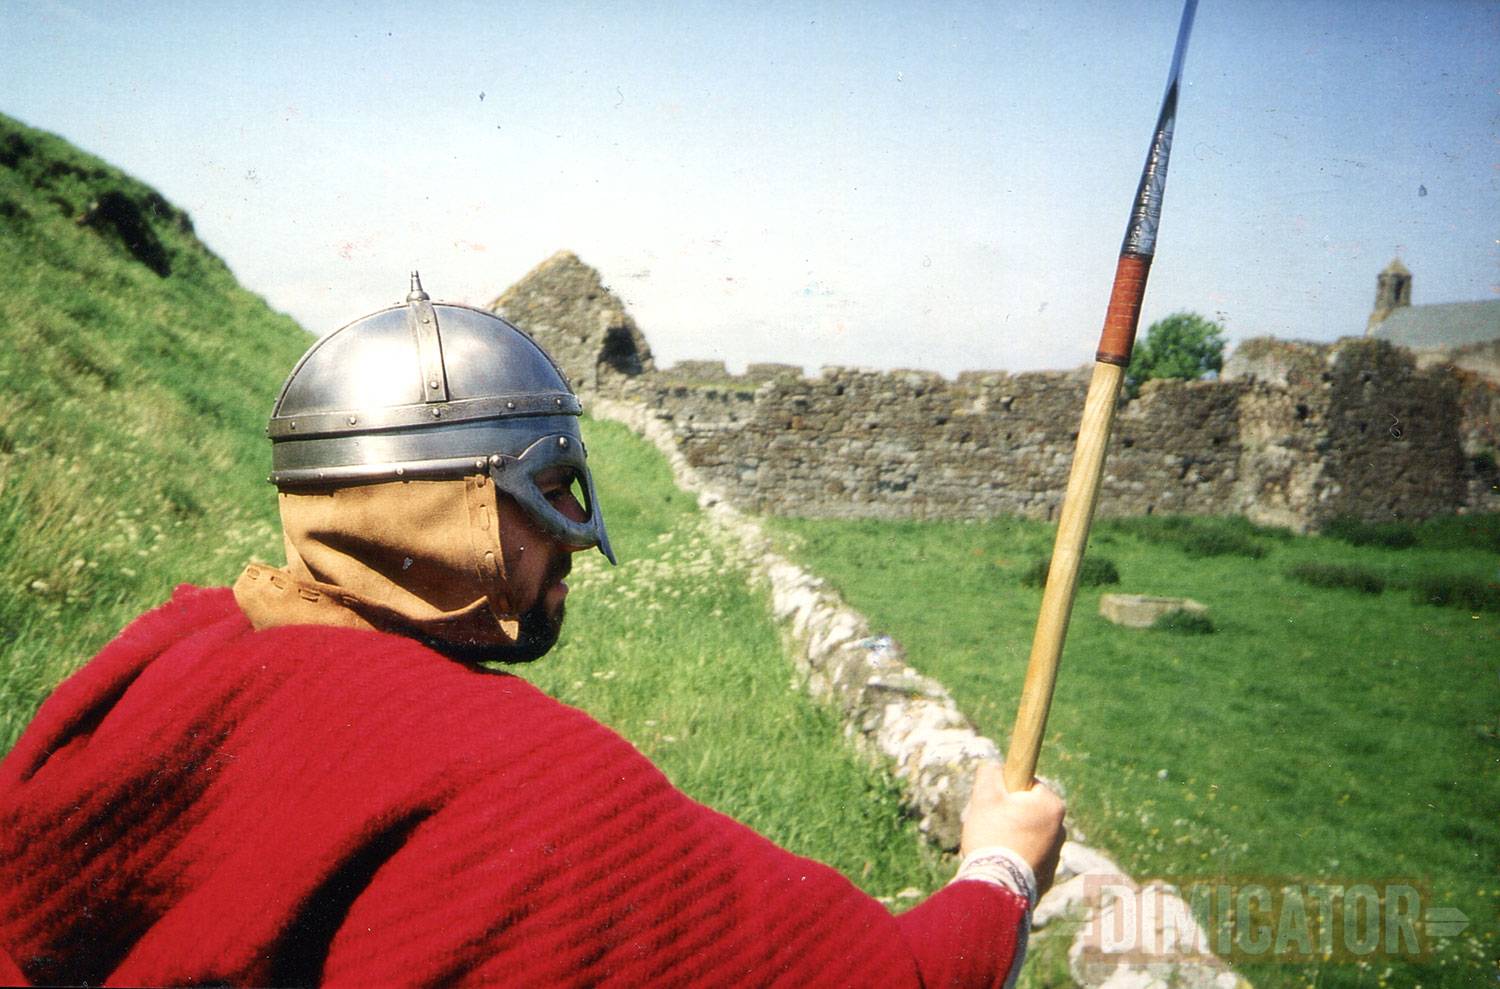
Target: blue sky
{"type": "Point", "coordinates": [937, 185]}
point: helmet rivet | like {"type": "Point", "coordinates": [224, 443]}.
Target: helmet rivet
{"type": "Point", "coordinates": [437, 413]}
{"type": "Point", "coordinates": [426, 319]}
{"type": "Point", "coordinates": [479, 464]}
{"type": "Point", "coordinates": [353, 420]}
{"type": "Point", "coordinates": [294, 424]}
{"type": "Point", "coordinates": [562, 441]}
{"type": "Point", "coordinates": [433, 383]}
{"type": "Point", "coordinates": [494, 460]}
{"type": "Point", "coordinates": [558, 401]}
{"type": "Point", "coordinates": [400, 471]}
{"type": "Point", "coordinates": [510, 405]}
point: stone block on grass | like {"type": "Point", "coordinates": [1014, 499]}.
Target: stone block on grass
{"type": "Point", "coordinates": [1142, 610]}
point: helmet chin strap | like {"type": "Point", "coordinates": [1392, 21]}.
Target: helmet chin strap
{"type": "Point", "coordinates": [488, 552]}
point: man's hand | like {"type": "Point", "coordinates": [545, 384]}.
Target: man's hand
{"type": "Point", "coordinates": [1028, 822]}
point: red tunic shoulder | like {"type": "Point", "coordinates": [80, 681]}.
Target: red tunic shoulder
{"type": "Point", "coordinates": [204, 802]}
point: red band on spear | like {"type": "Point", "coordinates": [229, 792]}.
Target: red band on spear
{"type": "Point", "coordinates": [1124, 312]}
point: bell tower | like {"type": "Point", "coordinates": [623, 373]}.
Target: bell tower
{"type": "Point", "coordinates": [1392, 290]}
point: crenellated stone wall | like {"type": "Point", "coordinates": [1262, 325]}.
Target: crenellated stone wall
{"type": "Point", "coordinates": [1292, 434]}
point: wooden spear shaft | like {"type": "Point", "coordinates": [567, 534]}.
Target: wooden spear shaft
{"type": "Point", "coordinates": [1115, 344]}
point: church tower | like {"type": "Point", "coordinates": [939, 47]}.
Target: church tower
{"type": "Point", "coordinates": [1392, 290]}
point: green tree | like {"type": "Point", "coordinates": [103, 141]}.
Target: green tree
{"type": "Point", "coordinates": [1183, 345]}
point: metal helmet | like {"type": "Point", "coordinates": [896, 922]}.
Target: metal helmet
{"type": "Point", "coordinates": [434, 390]}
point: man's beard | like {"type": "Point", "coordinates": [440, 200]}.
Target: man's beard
{"type": "Point", "coordinates": [536, 635]}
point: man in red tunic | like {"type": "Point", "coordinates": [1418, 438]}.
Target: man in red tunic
{"type": "Point", "coordinates": [309, 778]}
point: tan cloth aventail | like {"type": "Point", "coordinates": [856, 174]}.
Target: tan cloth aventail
{"type": "Point", "coordinates": [418, 557]}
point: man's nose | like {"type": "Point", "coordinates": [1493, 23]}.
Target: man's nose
{"type": "Point", "coordinates": [573, 511]}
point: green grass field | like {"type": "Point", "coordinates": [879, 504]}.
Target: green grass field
{"type": "Point", "coordinates": [131, 410]}
{"type": "Point", "coordinates": [1319, 732]}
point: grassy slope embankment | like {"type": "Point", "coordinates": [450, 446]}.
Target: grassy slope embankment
{"type": "Point", "coordinates": [131, 413]}
{"type": "Point", "coordinates": [132, 459]}
{"type": "Point", "coordinates": [1319, 733]}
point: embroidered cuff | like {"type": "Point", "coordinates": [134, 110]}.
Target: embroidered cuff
{"type": "Point", "coordinates": [1000, 866]}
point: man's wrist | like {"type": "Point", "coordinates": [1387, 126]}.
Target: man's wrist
{"type": "Point", "coordinates": [1000, 866]}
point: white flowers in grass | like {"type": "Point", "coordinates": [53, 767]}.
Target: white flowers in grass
{"type": "Point", "coordinates": [680, 566]}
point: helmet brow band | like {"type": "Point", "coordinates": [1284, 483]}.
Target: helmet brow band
{"type": "Point", "coordinates": [358, 422]}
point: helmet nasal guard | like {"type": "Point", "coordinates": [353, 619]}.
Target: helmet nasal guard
{"type": "Point", "coordinates": [429, 391]}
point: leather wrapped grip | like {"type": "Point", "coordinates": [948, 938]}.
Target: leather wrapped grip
{"type": "Point", "coordinates": [1124, 311]}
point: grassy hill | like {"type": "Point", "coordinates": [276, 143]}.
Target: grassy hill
{"type": "Point", "coordinates": [1328, 730]}
{"type": "Point", "coordinates": [135, 378]}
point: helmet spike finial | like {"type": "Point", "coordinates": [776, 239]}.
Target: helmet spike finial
{"type": "Point", "coordinates": [416, 294]}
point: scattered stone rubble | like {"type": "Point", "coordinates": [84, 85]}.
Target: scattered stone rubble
{"type": "Point", "coordinates": [911, 722]}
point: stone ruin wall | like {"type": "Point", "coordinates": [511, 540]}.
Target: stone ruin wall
{"type": "Point", "coordinates": [1349, 428]}
{"type": "Point", "coordinates": [1477, 371]}
{"type": "Point", "coordinates": [563, 303]}
{"type": "Point", "coordinates": [907, 444]}
{"type": "Point", "coordinates": [1293, 434]}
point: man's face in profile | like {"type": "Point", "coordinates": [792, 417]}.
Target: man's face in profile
{"type": "Point", "coordinates": [537, 566]}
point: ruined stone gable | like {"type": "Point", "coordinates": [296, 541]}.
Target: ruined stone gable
{"type": "Point", "coordinates": [563, 304]}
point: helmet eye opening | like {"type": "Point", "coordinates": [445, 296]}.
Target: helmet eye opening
{"type": "Point", "coordinates": [556, 466]}
{"type": "Point", "coordinates": [562, 487]}
{"type": "Point", "coordinates": [550, 479]}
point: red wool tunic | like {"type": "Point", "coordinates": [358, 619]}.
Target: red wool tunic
{"type": "Point", "coordinates": [208, 803]}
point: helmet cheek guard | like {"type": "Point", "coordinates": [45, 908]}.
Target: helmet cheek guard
{"type": "Point", "coordinates": [517, 477]}
{"type": "Point", "coordinates": [431, 390]}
